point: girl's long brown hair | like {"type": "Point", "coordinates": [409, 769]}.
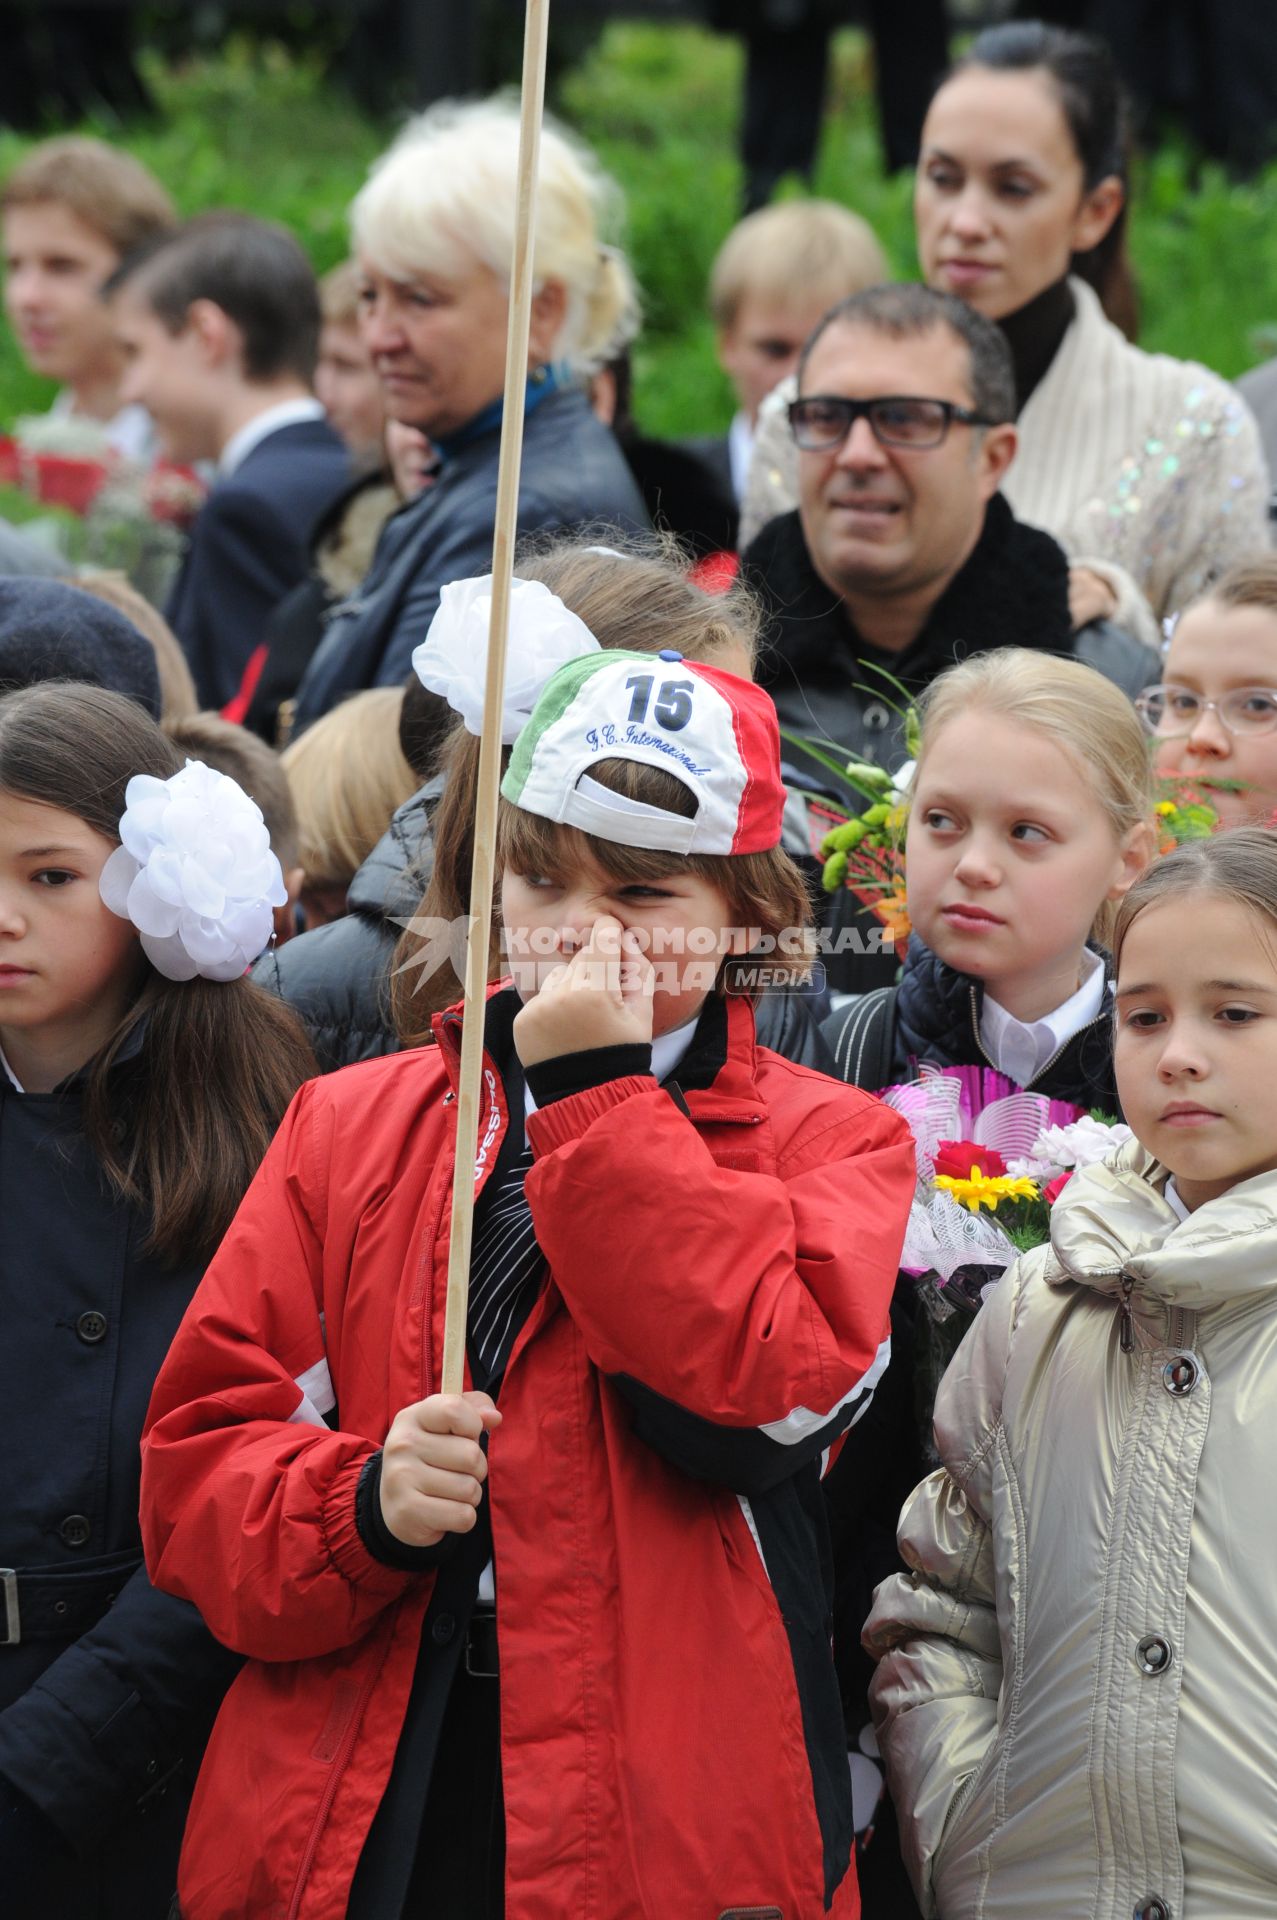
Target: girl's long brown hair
{"type": "Point", "coordinates": [179, 1127]}
{"type": "Point", "coordinates": [638, 600]}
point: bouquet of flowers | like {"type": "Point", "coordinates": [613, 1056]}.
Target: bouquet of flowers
{"type": "Point", "coordinates": [62, 482]}
{"type": "Point", "coordinates": [992, 1161]}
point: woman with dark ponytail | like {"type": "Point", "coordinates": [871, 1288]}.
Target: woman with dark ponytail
{"type": "Point", "coordinates": [1147, 470]}
{"type": "Point", "coordinates": [141, 1078]}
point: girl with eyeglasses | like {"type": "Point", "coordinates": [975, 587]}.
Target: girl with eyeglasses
{"type": "Point", "coordinates": [1147, 469]}
{"type": "Point", "coordinates": [1214, 716]}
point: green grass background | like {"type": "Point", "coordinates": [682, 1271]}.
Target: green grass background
{"type": "Point", "coordinates": [261, 129]}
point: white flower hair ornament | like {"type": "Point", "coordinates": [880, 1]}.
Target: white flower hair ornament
{"type": "Point", "coordinates": [195, 874]}
{"type": "Point", "coordinates": [452, 660]}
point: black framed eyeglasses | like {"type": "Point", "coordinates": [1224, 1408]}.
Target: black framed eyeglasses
{"type": "Point", "coordinates": [1169, 710]}
{"type": "Point", "coordinates": [820, 422]}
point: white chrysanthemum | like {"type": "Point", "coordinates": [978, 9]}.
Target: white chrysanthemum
{"type": "Point", "coordinates": [452, 660]}
{"type": "Point", "coordinates": [195, 874]}
{"type": "Point", "coordinates": [1083, 1143]}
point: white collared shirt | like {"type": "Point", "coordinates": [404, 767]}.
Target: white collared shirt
{"type": "Point", "coordinates": [1019, 1048]}
{"type": "Point", "coordinates": [10, 1075]}
{"type": "Point", "coordinates": [286, 413]}
{"type": "Point", "coordinates": [1170, 1193]}
{"type": "Point", "coordinates": [667, 1053]}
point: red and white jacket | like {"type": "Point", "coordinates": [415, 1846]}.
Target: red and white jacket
{"type": "Point", "coordinates": [716, 1315]}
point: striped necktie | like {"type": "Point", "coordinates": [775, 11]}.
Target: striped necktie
{"type": "Point", "coordinates": [505, 1268]}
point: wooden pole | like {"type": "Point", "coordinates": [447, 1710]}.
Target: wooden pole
{"type": "Point", "coordinates": [479, 938]}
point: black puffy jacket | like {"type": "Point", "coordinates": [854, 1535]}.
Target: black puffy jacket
{"type": "Point", "coordinates": [337, 977]}
{"type": "Point", "coordinates": [934, 1015]}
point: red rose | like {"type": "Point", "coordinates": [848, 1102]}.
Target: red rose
{"type": "Point", "coordinates": [1054, 1188]}
{"type": "Point", "coordinates": [955, 1159]}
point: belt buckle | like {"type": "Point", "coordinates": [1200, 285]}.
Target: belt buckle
{"type": "Point", "coordinates": [12, 1618]}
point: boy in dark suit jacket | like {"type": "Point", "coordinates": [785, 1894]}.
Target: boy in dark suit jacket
{"type": "Point", "coordinates": [219, 326]}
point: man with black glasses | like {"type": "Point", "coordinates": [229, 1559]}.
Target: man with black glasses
{"type": "Point", "coordinates": [902, 556]}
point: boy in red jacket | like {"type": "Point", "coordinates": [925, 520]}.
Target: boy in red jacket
{"type": "Point", "coordinates": [558, 1646]}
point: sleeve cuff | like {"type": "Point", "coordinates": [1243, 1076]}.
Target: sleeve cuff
{"type": "Point", "coordinates": [569, 1073]}
{"type": "Point", "coordinates": [380, 1542]}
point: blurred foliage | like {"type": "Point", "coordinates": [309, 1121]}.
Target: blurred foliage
{"type": "Point", "coordinates": [259, 124]}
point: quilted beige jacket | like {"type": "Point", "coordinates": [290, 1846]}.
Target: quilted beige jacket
{"type": "Point", "coordinates": [1077, 1688]}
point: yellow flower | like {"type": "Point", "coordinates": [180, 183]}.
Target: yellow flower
{"type": "Point", "coordinates": [1166, 808]}
{"type": "Point", "coordinates": [986, 1190]}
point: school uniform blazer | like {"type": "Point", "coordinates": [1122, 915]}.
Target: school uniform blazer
{"type": "Point", "coordinates": [250, 545]}
{"type": "Point", "coordinates": [715, 1315]}
{"type": "Point", "coordinates": [107, 1688]}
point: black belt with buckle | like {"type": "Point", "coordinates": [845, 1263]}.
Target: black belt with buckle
{"type": "Point", "coordinates": [56, 1603]}
{"type": "Point", "coordinates": [481, 1647]}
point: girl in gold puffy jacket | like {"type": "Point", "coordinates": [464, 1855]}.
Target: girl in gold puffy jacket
{"type": "Point", "coordinates": [1075, 1692]}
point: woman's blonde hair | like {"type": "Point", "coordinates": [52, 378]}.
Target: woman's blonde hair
{"type": "Point", "coordinates": [635, 596]}
{"type": "Point", "coordinates": [443, 196]}
{"type": "Point", "coordinates": [1073, 705]}
{"type": "Point", "coordinates": [348, 776]}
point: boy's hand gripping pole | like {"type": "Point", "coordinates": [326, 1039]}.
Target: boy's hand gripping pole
{"type": "Point", "coordinates": [479, 939]}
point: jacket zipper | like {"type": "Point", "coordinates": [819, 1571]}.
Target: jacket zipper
{"type": "Point", "coordinates": [1126, 1333]}
{"type": "Point", "coordinates": [1046, 1065]}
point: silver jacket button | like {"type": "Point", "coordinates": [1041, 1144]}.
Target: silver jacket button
{"type": "Point", "coordinates": [1181, 1374]}
{"type": "Point", "coordinates": [1154, 1654]}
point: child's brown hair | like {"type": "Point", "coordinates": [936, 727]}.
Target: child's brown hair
{"type": "Point", "coordinates": [765, 892]}
{"type": "Point", "coordinates": [1239, 865]}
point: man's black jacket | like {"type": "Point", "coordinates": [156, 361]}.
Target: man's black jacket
{"type": "Point", "coordinates": [1012, 592]}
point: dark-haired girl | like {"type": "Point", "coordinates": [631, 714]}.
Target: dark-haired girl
{"type": "Point", "coordinates": [140, 1080]}
{"type": "Point", "coordinates": [1147, 470]}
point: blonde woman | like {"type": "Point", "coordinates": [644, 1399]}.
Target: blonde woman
{"type": "Point", "coordinates": [433, 233]}
{"type": "Point", "coordinates": [348, 775]}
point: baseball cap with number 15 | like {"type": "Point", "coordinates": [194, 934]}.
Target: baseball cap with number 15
{"type": "Point", "coordinates": [712, 730]}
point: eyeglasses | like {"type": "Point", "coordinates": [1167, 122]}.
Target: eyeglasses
{"type": "Point", "coordinates": [1170, 710]}
{"type": "Point", "coordinates": [820, 422]}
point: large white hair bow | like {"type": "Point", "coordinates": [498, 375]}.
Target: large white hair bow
{"type": "Point", "coordinates": [452, 660]}
{"type": "Point", "coordinates": [195, 874]}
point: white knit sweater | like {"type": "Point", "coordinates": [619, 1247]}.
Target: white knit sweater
{"type": "Point", "coordinates": [1147, 469]}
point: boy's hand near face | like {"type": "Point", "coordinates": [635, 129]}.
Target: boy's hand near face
{"type": "Point", "coordinates": [602, 997]}
{"type": "Point", "coordinates": [433, 1467]}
